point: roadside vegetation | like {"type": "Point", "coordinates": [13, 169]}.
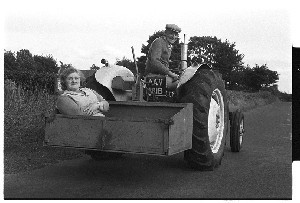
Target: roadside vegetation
{"type": "Point", "coordinates": [24, 112]}
{"type": "Point", "coordinates": [248, 100]}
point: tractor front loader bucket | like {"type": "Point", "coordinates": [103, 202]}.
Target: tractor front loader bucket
{"type": "Point", "coordinates": [128, 127]}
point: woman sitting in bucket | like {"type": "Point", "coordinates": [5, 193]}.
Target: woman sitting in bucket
{"type": "Point", "coordinates": [76, 100]}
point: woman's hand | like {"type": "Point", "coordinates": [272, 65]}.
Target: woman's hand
{"type": "Point", "coordinates": [91, 109]}
{"type": "Point", "coordinates": [103, 106]}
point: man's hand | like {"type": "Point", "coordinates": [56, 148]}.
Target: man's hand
{"type": "Point", "coordinates": [174, 76]}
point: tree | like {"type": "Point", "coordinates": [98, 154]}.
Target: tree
{"type": "Point", "coordinates": [219, 55]}
{"type": "Point", "coordinates": [45, 64]}
{"type": "Point", "coordinates": [10, 62]}
{"type": "Point", "coordinates": [237, 79]}
{"type": "Point", "coordinates": [258, 77]}
{"type": "Point", "coordinates": [94, 67]}
{"type": "Point", "coordinates": [25, 60]}
{"type": "Point", "coordinates": [127, 63]}
{"type": "Point", "coordinates": [30, 72]}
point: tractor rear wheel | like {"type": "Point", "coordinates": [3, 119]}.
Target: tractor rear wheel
{"type": "Point", "coordinates": [206, 90]}
{"type": "Point", "coordinates": [237, 131]}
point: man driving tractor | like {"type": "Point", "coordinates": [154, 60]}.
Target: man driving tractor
{"type": "Point", "coordinates": [159, 54]}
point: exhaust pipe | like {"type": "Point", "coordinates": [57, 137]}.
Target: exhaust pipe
{"type": "Point", "coordinates": [184, 48]}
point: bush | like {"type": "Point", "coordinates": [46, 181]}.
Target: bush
{"type": "Point", "coordinates": [249, 100]}
{"type": "Point", "coordinates": [24, 113]}
{"type": "Point", "coordinates": [283, 96]}
{"type": "Point", "coordinates": [32, 81]}
{"type": "Point", "coordinates": [31, 72]}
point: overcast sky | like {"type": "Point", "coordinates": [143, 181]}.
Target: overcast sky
{"type": "Point", "coordinates": [84, 32]}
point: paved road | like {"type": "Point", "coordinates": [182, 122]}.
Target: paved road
{"type": "Point", "coordinates": [262, 169]}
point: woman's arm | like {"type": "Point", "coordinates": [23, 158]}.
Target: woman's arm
{"type": "Point", "coordinates": [103, 104]}
{"type": "Point", "coordinates": [67, 106]}
{"type": "Point", "coordinates": [99, 97]}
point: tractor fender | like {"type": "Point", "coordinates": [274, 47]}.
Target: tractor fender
{"type": "Point", "coordinates": [189, 72]}
{"type": "Point", "coordinates": [105, 76]}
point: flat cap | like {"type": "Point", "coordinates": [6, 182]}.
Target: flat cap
{"type": "Point", "coordinates": [173, 27]}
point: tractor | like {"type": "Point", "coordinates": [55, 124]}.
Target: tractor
{"type": "Point", "coordinates": [147, 118]}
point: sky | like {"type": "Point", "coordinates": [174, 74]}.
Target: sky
{"type": "Point", "coordinates": [83, 32]}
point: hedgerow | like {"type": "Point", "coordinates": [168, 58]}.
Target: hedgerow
{"type": "Point", "coordinates": [32, 81]}
{"type": "Point", "coordinates": [33, 73]}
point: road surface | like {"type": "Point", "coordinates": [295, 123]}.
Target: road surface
{"type": "Point", "coordinates": [262, 170]}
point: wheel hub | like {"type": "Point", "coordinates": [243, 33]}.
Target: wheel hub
{"type": "Point", "coordinates": [216, 120]}
{"type": "Point", "coordinates": [241, 131]}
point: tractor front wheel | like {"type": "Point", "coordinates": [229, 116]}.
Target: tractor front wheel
{"type": "Point", "coordinates": [237, 131]}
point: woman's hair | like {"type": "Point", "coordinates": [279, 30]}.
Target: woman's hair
{"type": "Point", "coordinates": [63, 76]}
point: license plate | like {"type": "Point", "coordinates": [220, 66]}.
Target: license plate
{"type": "Point", "coordinates": [157, 85]}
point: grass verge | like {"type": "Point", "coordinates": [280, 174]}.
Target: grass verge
{"type": "Point", "coordinates": [24, 130]}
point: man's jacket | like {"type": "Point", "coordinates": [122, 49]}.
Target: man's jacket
{"type": "Point", "coordinates": [158, 57]}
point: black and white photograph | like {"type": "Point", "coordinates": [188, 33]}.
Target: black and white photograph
{"type": "Point", "coordinates": [150, 100]}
